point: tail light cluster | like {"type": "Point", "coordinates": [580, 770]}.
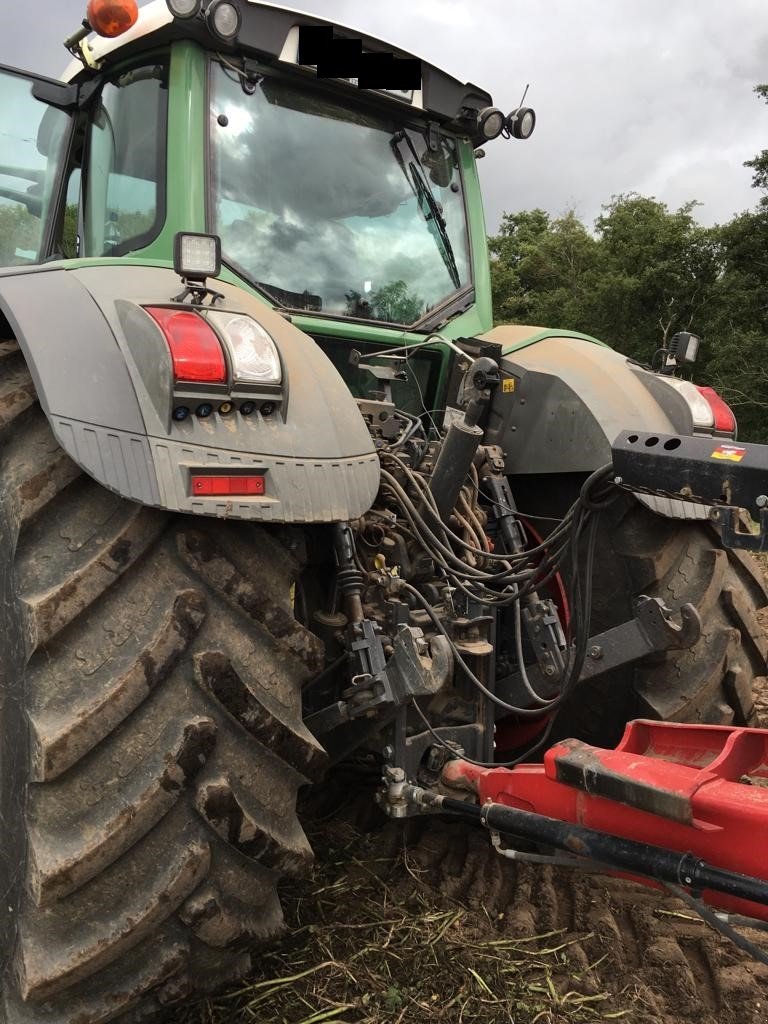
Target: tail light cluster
{"type": "Point", "coordinates": [711, 415]}
{"type": "Point", "coordinates": [196, 352]}
{"type": "Point", "coordinates": [724, 418]}
{"type": "Point", "coordinates": [222, 362]}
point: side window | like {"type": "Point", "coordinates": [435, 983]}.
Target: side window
{"type": "Point", "coordinates": [125, 165]}
{"type": "Point", "coordinates": [33, 140]}
{"type": "Point", "coordinates": [69, 231]}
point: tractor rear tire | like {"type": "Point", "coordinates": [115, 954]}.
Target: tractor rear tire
{"type": "Point", "coordinates": [679, 561]}
{"type": "Point", "coordinates": [152, 739]}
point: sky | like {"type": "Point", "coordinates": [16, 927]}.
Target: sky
{"type": "Point", "coordinates": [647, 96]}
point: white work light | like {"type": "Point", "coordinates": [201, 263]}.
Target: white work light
{"type": "Point", "coordinates": [223, 18]}
{"type": "Point", "coordinates": [490, 123]}
{"type": "Point", "coordinates": [521, 122]}
{"type": "Point", "coordinates": [196, 256]}
{"type": "Point", "coordinates": [184, 8]}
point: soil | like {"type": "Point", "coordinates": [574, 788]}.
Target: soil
{"type": "Point", "coordinates": [423, 920]}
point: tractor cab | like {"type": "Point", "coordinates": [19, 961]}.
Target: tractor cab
{"type": "Point", "coordinates": [358, 205]}
{"type": "Point", "coordinates": [338, 172]}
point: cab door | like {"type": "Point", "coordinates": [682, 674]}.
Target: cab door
{"type": "Point", "coordinates": [36, 124]}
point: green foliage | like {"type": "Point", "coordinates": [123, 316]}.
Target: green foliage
{"type": "Point", "coordinates": [392, 303]}
{"type": "Point", "coordinates": [19, 234]}
{"type": "Point", "coordinates": [759, 163]}
{"type": "Point", "coordinates": [656, 266]}
{"type": "Point", "coordinates": [69, 232]}
{"type": "Point", "coordinates": [542, 270]}
{"type": "Point", "coordinates": [642, 274]}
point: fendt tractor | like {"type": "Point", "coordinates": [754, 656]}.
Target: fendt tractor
{"type": "Point", "coordinates": [276, 495]}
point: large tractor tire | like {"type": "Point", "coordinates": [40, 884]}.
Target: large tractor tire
{"type": "Point", "coordinates": [682, 561]}
{"type": "Point", "coordinates": [151, 737]}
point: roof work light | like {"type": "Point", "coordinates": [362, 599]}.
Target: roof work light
{"type": "Point", "coordinates": [490, 123]}
{"type": "Point", "coordinates": [520, 123]}
{"type": "Point", "coordinates": [223, 18]}
{"type": "Point", "coordinates": [184, 8]}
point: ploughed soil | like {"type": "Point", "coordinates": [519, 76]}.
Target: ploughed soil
{"type": "Point", "coordinates": [424, 921]}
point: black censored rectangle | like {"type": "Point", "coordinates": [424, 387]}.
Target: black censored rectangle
{"type": "Point", "coordinates": [344, 58]}
{"type": "Point", "coordinates": [383, 71]}
{"type": "Point", "coordinates": [341, 59]}
{"type": "Point", "coordinates": [314, 43]}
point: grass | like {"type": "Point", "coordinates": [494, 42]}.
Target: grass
{"type": "Point", "coordinates": [369, 943]}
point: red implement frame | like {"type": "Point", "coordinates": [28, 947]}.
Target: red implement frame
{"type": "Point", "coordinates": [701, 789]}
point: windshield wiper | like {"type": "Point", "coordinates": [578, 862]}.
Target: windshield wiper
{"type": "Point", "coordinates": [428, 205]}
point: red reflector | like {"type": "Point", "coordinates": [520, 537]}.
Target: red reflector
{"type": "Point", "coordinates": [195, 349]}
{"type": "Point", "coordinates": [725, 421]}
{"type": "Point", "coordinates": [237, 485]}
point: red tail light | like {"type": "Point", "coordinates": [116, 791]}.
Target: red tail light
{"type": "Point", "coordinates": [195, 349]}
{"type": "Point", "coordinates": [725, 421]}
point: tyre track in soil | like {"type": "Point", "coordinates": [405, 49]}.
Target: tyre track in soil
{"type": "Point", "coordinates": [659, 961]}
{"type": "Point", "coordinates": [662, 964]}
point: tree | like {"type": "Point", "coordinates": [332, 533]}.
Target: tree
{"type": "Point", "coordinates": [392, 303]}
{"type": "Point", "coordinates": [656, 270]}
{"type": "Point", "coordinates": [543, 270]}
{"type": "Point", "coordinates": [759, 163]}
{"type": "Point", "coordinates": [19, 234]}
{"type": "Point", "coordinates": [644, 274]}
{"type": "Point", "coordinates": [735, 327]}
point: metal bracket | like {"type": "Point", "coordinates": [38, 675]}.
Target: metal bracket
{"type": "Point", "coordinates": [727, 519]}
{"type": "Point", "coordinates": [653, 630]}
{"type": "Point", "coordinates": [544, 629]}
{"type": "Point", "coordinates": [415, 669]}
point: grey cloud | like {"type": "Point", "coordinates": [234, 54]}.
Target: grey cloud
{"type": "Point", "coordinates": [642, 95]}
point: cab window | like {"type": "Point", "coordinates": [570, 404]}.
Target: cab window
{"type": "Point", "coordinates": [34, 137]}
{"type": "Point", "coordinates": [125, 164]}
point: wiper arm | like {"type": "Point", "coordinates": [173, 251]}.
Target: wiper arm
{"type": "Point", "coordinates": [428, 205]}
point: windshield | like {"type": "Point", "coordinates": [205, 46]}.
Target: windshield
{"type": "Point", "coordinates": [329, 208]}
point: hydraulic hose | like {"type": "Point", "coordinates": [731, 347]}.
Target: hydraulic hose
{"type": "Point", "coordinates": [657, 862]}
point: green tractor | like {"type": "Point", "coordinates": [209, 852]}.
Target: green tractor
{"type": "Point", "coordinates": [274, 490]}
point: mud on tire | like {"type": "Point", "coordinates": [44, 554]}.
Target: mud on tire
{"type": "Point", "coordinates": [152, 742]}
{"type": "Point", "coordinates": [640, 552]}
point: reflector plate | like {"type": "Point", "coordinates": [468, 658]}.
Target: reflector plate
{"type": "Point", "coordinates": [245, 486]}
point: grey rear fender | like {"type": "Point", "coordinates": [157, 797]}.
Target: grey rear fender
{"type": "Point", "coordinates": [103, 375]}
{"type": "Point", "coordinates": [566, 399]}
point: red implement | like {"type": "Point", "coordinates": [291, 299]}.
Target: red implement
{"type": "Point", "coordinates": [700, 789]}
